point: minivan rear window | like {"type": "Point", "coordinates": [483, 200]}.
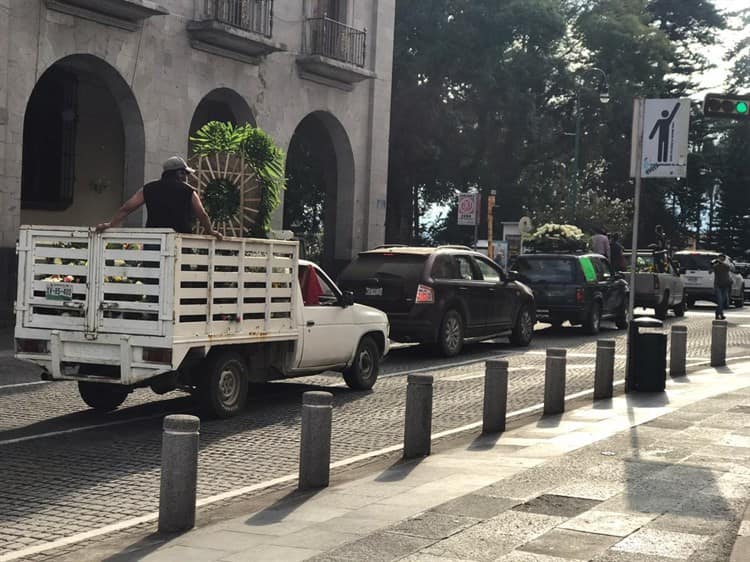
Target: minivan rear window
{"type": "Point", "coordinates": [700, 262]}
{"type": "Point", "coordinates": [405, 266]}
{"type": "Point", "coordinates": [552, 270]}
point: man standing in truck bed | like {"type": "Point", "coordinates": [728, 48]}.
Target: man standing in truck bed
{"type": "Point", "coordinates": [170, 202]}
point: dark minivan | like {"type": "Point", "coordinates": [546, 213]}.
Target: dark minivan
{"type": "Point", "coordinates": [443, 296]}
{"type": "Point", "coordinates": [582, 289]}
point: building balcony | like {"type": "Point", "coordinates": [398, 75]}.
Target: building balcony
{"type": "Point", "coordinates": [334, 51]}
{"type": "Point", "coordinates": [238, 29]}
{"type": "Point", "coordinates": [125, 14]}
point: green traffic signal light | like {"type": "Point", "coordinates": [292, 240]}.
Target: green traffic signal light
{"type": "Point", "coordinates": [742, 107]}
{"type": "Point", "coordinates": [726, 106]}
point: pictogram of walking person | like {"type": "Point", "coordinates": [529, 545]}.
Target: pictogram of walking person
{"type": "Point", "coordinates": [663, 127]}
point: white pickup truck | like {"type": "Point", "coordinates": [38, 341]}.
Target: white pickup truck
{"type": "Point", "coordinates": [131, 308]}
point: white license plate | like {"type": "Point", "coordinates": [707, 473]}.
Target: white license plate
{"type": "Point", "coordinates": [692, 279]}
{"type": "Point", "coordinates": [374, 291]}
{"type": "Point", "coordinates": [59, 292]}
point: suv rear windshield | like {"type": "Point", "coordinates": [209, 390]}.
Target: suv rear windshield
{"type": "Point", "coordinates": [549, 269]}
{"type": "Point", "coordinates": [405, 266]}
{"type": "Point", "coordinates": [701, 262]}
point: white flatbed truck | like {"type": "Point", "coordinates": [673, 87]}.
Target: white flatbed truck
{"type": "Point", "coordinates": [137, 307]}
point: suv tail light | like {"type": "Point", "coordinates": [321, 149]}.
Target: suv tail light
{"type": "Point", "coordinates": [32, 346]}
{"type": "Point", "coordinates": [580, 297]}
{"type": "Point", "coordinates": [425, 295]}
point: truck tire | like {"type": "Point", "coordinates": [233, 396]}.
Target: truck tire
{"type": "Point", "coordinates": [592, 322]}
{"type": "Point", "coordinates": [621, 320]}
{"type": "Point", "coordinates": [451, 334]}
{"type": "Point", "coordinates": [679, 309]}
{"type": "Point", "coordinates": [523, 329]}
{"type": "Point", "coordinates": [365, 368]}
{"type": "Point", "coordinates": [740, 302]}
{"type": "Point", "coordinates": [101, 396]}
{"type": "Point", "coordinates": [222, 390]}
{"type": "Point", "coordinates": [660, 310]}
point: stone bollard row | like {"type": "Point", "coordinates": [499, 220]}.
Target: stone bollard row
{"type": "Point", "coordinates": [604, 376]}
{"type": "Point", "coordinates": [418, 422]}
{"type": "Point", "coordinates": [678, 352]}
{"type": "Point", "coordinates": [495, 396]}
{"type": "Point", "coordinates": [315, 443]}
{"type": "Point", "coordinates": [719, 343]}
{"type": "Point", "coordinates": [554, 382]}
{"type": "Point", "coordinates": [179, 473]}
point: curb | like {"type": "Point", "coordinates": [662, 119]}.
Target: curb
{"type": "Point", "coordinates": [741, 550]}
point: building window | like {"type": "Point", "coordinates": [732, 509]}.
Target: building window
{"type": "Point", "coordinates": [49, 139]}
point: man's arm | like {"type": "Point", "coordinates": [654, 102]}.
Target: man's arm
{"type": "Point", "coordinates": [200, 212]}
{"type": "Point", "coordinates": [674, 111]}
{"type": "Point", "coordinates": [132, 204]}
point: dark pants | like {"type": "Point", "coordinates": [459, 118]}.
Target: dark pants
{"type": "Point", "coordinates": [722, 300]}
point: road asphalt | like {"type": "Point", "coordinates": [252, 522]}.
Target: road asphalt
{"type": "Point", "coordinates": [649, 477]}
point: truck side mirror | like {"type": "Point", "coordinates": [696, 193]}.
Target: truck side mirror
{"type": "Point", "coordinates": [512, 276]}
{"type": "Point", "coordinates": [347, 299]}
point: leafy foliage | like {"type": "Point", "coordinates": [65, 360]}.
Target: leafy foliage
{"type": "Point", "coordinates": [221, 199]}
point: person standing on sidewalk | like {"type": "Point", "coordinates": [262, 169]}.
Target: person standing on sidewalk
{"type": "Point", "coordinates": [616, 253]}
{"type": "Point", "coordinates": [722, 284]}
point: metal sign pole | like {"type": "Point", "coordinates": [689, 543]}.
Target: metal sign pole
{"type": "Point", "coordinates": [639, 112]}
{"type": "Point", "coordinates": [477, 205]}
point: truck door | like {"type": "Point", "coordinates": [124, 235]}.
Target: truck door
{"type": "Point", "coordinates": [328, 327]}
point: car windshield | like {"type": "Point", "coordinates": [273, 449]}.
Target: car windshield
{"type": "Point", "coordinates": [384, 265]}
{"type": "Point", "coordinates": [700, 262]}
{"type": "Point", "coordinates": [552, 270]}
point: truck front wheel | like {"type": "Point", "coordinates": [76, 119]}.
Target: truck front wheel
{"type": "Point", "coordinates": [223, 387]}
{"type": "Point", "coordinates": [364, 370]}
{"type": "Point", "coordinates": [102, 397]}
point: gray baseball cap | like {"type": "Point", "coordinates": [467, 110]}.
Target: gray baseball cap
{"type": "Point", "coordinates": [176, 163]}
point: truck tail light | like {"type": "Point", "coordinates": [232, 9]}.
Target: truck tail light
{"type": "Point", "coordinates": [580, 297]}
{"type": "Point", "coordinates": [157, 355]}
{"type": "Point", "coordinates": [32, 346]}
{"type": "Point", "coordinates": [425, 295]}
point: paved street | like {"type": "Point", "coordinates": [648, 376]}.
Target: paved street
{"type": "Point", "coordinates": [67, 470]}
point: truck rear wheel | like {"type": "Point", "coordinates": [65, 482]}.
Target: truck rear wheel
{"type": "Point", "coordinates": [591, 323]}
{"type": "Point", "coordinates": [101, 396]}
{"type": "Point", "coordinates": [223, 387]}
{"type": "Point", "coordinates": [660, 310]}
{"type": "Point", "coordinates": [679, 309]}
{"type": "Point", "coordinates": [364, 370]}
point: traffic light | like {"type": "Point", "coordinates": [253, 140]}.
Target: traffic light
{"type": "Point", "coordinates": [727, 106]}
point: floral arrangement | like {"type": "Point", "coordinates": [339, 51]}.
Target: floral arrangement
{"type": "Point", "coordinates": [556, 237]}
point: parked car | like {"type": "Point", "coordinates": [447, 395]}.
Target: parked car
{"type": "Point", "coordinates": [444, 296]}
{"type": "Point", "coordinates": [743, 269]}
{"type": "Point", "coordinates": [696, 272]}
{"type": "Point", "coordinates": [658, 284]}
{"type": "Point", "coordinates": [582, 289]}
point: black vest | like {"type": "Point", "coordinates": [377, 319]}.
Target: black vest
{"type": "Point", "coordinates": [169, 205]}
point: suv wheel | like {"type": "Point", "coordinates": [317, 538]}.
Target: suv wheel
{"type": "Point", "coordinates": [593, 319]}
{"type": "Point", "coordinates": [523, 330]}
{"type": "Point", "coordinates": [451, 336]}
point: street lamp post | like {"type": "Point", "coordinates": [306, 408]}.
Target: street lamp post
{"type": "Point", "coordinates": [603, 98]}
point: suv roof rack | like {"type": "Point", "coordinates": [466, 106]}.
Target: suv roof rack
{"type": "Point", "coordinates": [455, 247]}
{"type": "Point", "coordinates": [386, 246]}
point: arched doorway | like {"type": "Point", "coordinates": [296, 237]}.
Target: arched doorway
{"type": "Point", "coordinates": [83, 144]}
{"type": "Point", "coordinates": [223, 105]}
{"type": "Point", "coordinates": [318, 203]}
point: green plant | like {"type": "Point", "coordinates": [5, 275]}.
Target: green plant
{"type": "Point", "coordinates": [222, 199]}
{"type": "Point", "coordinates": [259, 150]}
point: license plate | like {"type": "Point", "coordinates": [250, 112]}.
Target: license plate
{"type": "Point", "coordinates": [692, 279]}
{"type": "Point", "coordinates": [59, 292]}
{"type": "Point", "coordinates": [374, 292]}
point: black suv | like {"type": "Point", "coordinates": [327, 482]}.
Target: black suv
{"type": "Point", "coordinates": [444, 296]}
{"type": "Point", "coordinates": [582, 289]}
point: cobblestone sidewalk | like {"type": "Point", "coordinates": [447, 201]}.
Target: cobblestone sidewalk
{"type": "Point", "coordinates": [647, 478]}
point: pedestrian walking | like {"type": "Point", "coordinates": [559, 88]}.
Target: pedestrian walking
{"type": "Point", "coordinates": [722, 284]}
{"type": "Point", "coordinates": [170, 202]}
{"type": "Point", "coordinates": [617, 257]}
{"type": "Point", "coordinates": [600, 242]}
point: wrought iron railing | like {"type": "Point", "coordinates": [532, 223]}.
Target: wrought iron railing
{"type": "Point", "coordinates": [250, 15]}
{"type": "Point", "coordinates": [333, 39]}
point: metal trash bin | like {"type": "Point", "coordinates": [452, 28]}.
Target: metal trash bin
{"type": "Point", "coordinates": [647, 360]}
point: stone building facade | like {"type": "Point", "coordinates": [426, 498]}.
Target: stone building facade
{"type": "Point", "coordinates": [95, 94]}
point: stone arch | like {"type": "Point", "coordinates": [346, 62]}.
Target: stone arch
{"type": "Point", "coordinates": [90, 138]}
{"type": "Point", "coordinates": [320, 161]}
{"type": "Point", "coordinates": [221, 104]}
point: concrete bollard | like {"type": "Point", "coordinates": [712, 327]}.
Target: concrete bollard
{"type": "Point", "coordinates": [315, 445]}
{"type": "Point", "coordinates": [719, 343]}
{"type": "Point", "coordinates": [418, 424]}
{"type": "Point", "coordinates": [495, 396]}
{"type": "Point", "coordinates": [678, 351]}
{"type": "Point", "coordinates": [554, 382]}
{"type": "Point", "coordinates": [179, 473]}
{"type": "Point", "coordinates": [604, 376]}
